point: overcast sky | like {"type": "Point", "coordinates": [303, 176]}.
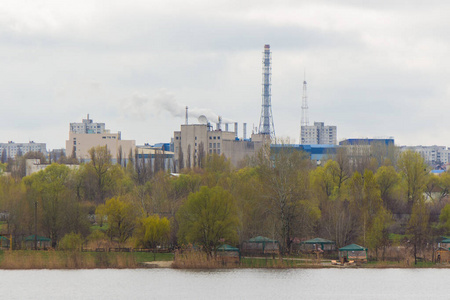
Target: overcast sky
{"type": "Point", "coordinates": [376, 69]}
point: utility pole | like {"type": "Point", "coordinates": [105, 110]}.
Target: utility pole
{"type": "Point", "coordinates": [35, 225]}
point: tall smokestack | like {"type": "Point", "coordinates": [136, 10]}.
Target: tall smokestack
{"type": "Point", "coordinates": [187, 118]}
{"type": "Point", "coordinates": [245, 131]}
{"type": "Point", "coordinates": [236, 129]}
{"type": "Point", "coordinates": [219, 123]}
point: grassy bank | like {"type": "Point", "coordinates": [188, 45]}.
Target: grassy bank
{"type": "Point", "coordinates": [27, 259]}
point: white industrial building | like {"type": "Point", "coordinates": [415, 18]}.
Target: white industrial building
{"type": "Point", "coordinates": [82, 139]}
{"type": "Point", "coordinates": [318, 134]}
{"type": "Point", "coordinates": [194, 141]}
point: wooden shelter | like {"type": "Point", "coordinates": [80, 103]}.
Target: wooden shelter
{"type": "Point", "coordinates": [318, 244]}
{"type": "Point", "coordinates": [260, 245]}
{"type": "Point", "coordinates": [353, 252]}
{"type": "Point", "coordinates": [442, 255]}
{"type": "Point", "coordinates": [228, 253]}
{"type": "Point", "coordinates": [42, 242]}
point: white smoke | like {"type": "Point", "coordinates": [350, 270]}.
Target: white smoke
{"type": "Point", "coordinates": [135, 107]}
{"type": "Point", "coordinates": [139, 106]}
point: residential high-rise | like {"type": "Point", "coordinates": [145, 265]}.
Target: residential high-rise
{"type": "Point", "coordinates": [318, 134]}
{"type": "Point", "coordinates": [11, 149]}
{"type": "Point", "coordinates": [87, 126]}
{"type": "Point", "coordinates": [266, 122]}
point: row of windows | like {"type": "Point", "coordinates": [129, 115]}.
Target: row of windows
{"type": "Point", "coordinates": [213, 145]}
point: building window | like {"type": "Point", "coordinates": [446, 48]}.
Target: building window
{"type": "Point", "coordinates": [218, 145]}
{"type": "Point", "coordinates": [210, 138]}
{"type": "Point", "coordinates": [218, 137]}
{"type": "Point", "coordinates": [214, 145]}
{"type": "Point", "coordinates": [210, 145]}
{"type": "Point", "coordinates": [218, 151]}
{"type": "Point", "coordinates": [195, 138]}
{"type": "Point", "coordinates": [214, 137]}
{"type": "Point", "coordinates": [210, 151]}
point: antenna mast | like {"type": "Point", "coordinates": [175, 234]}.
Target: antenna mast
{"type": "Point", "coordinates": [266, 121]}
{"type": "Point", "coordinates": [304, 120]}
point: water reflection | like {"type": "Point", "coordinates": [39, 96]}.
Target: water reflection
{"type": "Point", "coordinates": [226, 284]}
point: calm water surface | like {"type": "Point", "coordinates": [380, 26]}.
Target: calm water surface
{"type": "Point", "coordinates": [226, 284]}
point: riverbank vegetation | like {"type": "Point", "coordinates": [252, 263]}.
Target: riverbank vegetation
{"type": "Point", "coordinates": [374, 196]}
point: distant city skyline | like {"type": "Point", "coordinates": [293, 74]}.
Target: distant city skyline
{"type": "Point", "coordinates": [373, 69]}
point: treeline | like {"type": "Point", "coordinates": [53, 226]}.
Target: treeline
{"type": "Point", "coordinates": [349, 198]}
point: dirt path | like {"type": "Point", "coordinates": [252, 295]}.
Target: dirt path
{"type": "Point", "coordinates": [158, 264]}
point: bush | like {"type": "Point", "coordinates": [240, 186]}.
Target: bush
{"type": "Point", "coordinates": [71, 241]}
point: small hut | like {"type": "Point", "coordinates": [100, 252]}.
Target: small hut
{"type": "Point", "coordinates": [318, 244]}
{"type": "Point", "coordinates": [42, 242]}
{"type": "Point", "coordinates": [228, 253]}
{"type": "Point", "coordinates": [442, 255]}
{"type": "Point", "coordinates": [444, 243]}
{"type": "Point", "coordinates": [353, 252]}
{"type": "Point", "coordinates": [260, 245]}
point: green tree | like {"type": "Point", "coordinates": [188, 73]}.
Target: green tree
{"type": "Point", "coordinates": [418, 227]}
{"type": "Point", "coordinates": [100, 164]}
{"type": "Point", "coordinates": [285, 181]}
{"type": "Point", "coordinates": [444, 219]}
{"type": "Point", "coordinates": [121, 219]}
{"type": "Point", "coordinates": [207, 218]}
{"type": "Point", "coordinates": [71, 241]}
{"type": "Point", "coordinates": [378, 234]}
{"type": "Point", "coordinates": [55, 200]}
{"type": "Point", "coordinates": [152, 231]}
{"type": "Point", "coordinates": [387, 179]}
{"type": "Point", "coordinates": [414, 173]}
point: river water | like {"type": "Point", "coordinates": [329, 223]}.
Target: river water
{"type": "Point", "coordinates": [226, 284]}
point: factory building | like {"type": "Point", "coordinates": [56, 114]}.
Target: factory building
{"type": "Point", "coordinates": [80, 142]}
{"type": "Point", "coordinates": [157, 156]}
{"type": "Point", "coordinates": [195, 141]}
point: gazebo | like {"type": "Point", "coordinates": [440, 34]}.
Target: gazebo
{"type": "Point", "coordinates": [228, 253]}
{"type": "Point", "coordinates": [353, 252]}
{"type": "Point", "coordinates": [261, 245]}
{"type": "Point", "coordinates": [445, 243]}
{"type": "Point", "coordinates": [42, 242]}
{"type": "Point", "coordinates": [319, 244]}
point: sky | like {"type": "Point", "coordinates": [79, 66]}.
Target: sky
{"type": "Point", "coordinates": [374, 68]}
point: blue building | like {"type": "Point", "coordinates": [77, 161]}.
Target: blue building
{"type": "Point", "coordinates": [366, 142]}
{"type": "Point", "coordinates": [315, 152]}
